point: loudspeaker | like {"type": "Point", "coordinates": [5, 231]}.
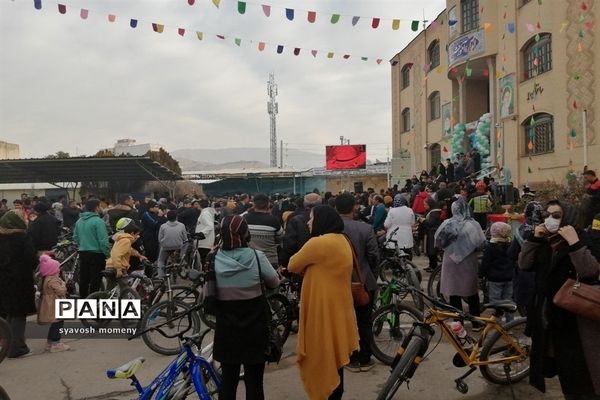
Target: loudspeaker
{"type": "Point", "coordinates": [358, 187]}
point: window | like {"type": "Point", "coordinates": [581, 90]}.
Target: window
{"type": "Point", "coordinates": [434, 105]}
{"type": "Point", "coordinates": [406, 120]}
{"type": "Point", "coordinates": [470, 15]}
{"type": "Point", "coordinates": [434, 54]}
{"type": "Point", "coordinates": [539, 136]}
{"type": "Point", "coordinates": [406, 76]}
{"type": "Point", "coordinates": [537, 56]}
{"type": "Point", "coordinates": [436, 155]}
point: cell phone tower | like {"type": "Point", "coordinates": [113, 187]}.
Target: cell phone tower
{"type": "Point", "coordinates": [272, 109]}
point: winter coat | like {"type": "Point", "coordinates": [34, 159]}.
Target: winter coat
{"type": "Point", "coordinates": [563, 343]}
{"type": "Point", "coordinates": [524, 286]}
{"type": "Point", "coordinates": [70, 216]}
{"type": "Point", "coordinates": [172, 235]}
{"type": "Point", "coordinates": [90, 234]}
{"type": "Point", "coordinates": [419, 203]}
{"type": "Point", "coordinates": [18, 260]}
{"type": "Point", "coordinates": [367, 250]}
{"type": "Point", "coordinates": [242, 316]}
{"type": "Point", "coordinates": [44, 232]}
{"type": "Point", "coordinates": [206, 225]}
{"type": "Point", "coordinates": [401, 218]}
{"type": "Point", "coordinates": [459, 279]}
{"type": "Point", "coordinates": [432, 222]}
{"type": "Point", "coordinates": [188, 217]}
{"type": "Point", "coordinates": [496, 265]}
{"type": "Point", "coordinates": [53, 288]}
{"type": "Point", "coordinates": [122, 211]}
{"type": "Point", "coordinates": [296, 235]}
{"type": "Point", "coordinates": [328, 333]}
{"type": "Point", "coordinates": [121, 252]}
{"type": "Point", "coordinates": [265, 234]}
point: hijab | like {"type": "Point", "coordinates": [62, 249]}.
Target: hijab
{"type": "Point", "coordinates": [326, 220]}
{"type": "Point", "coordinates": [400, 200]}
{"type": "Point", "coordinates": [234, 233]}
{"type": "Point", "coordinates": [11, 222]}
{"type": "Point", "coordinates": [460, 235]}
{"type": "Point", "coordinates": [533, 217]}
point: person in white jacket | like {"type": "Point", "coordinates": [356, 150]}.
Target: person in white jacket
{"type": "Point", "coordinates": [205, 226]}
{"type": "Point", "coordinates": [398, 225]}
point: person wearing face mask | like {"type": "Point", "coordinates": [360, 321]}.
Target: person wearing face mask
{"type": "Point", "coordinates": [563, 343]}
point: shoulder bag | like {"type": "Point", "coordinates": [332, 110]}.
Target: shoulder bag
{"type": "Point", "coordinates": [579, 298]}
{"type": "Point", "coordinates": [360, 294]}
{"type": "Point", "coordinates": [209, 291]}
{"type": "Point", "coordinates": [274, 349]}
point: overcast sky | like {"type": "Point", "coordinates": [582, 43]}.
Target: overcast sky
{"type": "Point", "coordinates": [79, 85]}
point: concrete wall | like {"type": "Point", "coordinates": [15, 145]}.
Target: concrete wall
{"type": "Point", "coordinates": [9, 151]}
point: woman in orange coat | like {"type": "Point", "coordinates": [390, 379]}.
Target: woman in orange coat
{"type": "Point", "coordinates": [328, 332]}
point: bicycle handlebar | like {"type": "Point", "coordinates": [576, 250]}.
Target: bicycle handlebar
{"type": "Point", "coordinates": [436, 302]}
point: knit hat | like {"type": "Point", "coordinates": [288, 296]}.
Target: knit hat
{"type": "Point", "coordinates": [48, 266]}
{"type": "Point", "coordinates": [311, 200]}
{"type": "Point", "coordinates": [500, 232]}
{"type": "Point", "coordinates": [388, 200]}
{"type": "Point", "coordinates": [11, 221]}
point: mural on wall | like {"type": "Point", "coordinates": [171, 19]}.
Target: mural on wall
{"type": "Point", "coordinates": [447, 119]}
{"type": "Point", "coordinates": [507, 95]}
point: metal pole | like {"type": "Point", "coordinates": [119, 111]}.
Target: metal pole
{"type": "Point", "coordinates": [585, 152]}
{"type": "Point", "coordinates": [281, 154]}
{"type": "Point", "coordinates": [388, 168]}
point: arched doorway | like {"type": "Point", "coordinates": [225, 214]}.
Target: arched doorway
{"type": "Point", "coordinates": [435, 152]}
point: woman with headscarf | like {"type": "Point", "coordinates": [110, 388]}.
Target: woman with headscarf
{"type": "Point", "coordinates": [525, 280]}
{"type": "Point", "coordinates": [18, 260]}
{"type": "Point", "coordinates": [242, 316]}
{"type": "Point", "coordinates": [562, 343]}
{"type": "Point", "coordinates": [328, 333]}
{"type": "Point", "coordinates": [460, 237]}
{"type": "Point", "coordinates": [398, 225]}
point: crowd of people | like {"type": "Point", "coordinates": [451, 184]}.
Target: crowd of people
{"type": "Point", "coordinates": [256, 240]}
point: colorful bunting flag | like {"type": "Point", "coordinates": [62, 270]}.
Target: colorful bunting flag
{"type": "Point", "coordinates": [216, 3]}
{"type": "Point", "coordinates": [237, 41]}
{"type": "Point", "coordinates": [279, 49]}
{"type": "Point", "coordinates": [261, 46]}
{"type": "Point", "coordinates": [575, 104]}
{"type": "Point", "coordinates": [222, 37]}
{"type": "Point", "coordinates": [355, 20]}
{"type": "Point", "coordinates": [530, 28]}
{"type": "Point", "coordinates": [573, 133]}
{"type": "Point", "coordinates": [296, 51]}
{"type": "Point", "coordinates": [581, 34]}
{"type": "Point", "coordinates": [589, 25]}
{"type": "Point", "coordinates": [346, 56]}
{"type": "Point", "coordinates": [532, 120]}
{"type": "Point", "coordinates": [395, 24]}
{"type": "Point", "coordinates": [83, 13]}
{"type": "Point", "coordinates": [158, 28]}
{"type": "Point", "coordinates": [364, 58]}
{"type": "Point", "coordinates": [378, 61]}
{"type": "Point", "coordinates": [181, 31]}
{"type": "Point", "coordinates": [452, 22]}
{"type": "Point", "coordinates": [242, 7]}
{"type": "Point", "coordinates": [289, 14]}
{"type": "Point", "coordinates": [312, 17]}
{"type": "Point", "coordinates": [584, 6]}
{"type": "Point", "coordinates": [530, 145]}
{"type": "Point", "coordinates": [539, 25]}
{"type": "Point", "coordinates": [133, 23]}
{"type": "Point", "coordinates": [468, 71]}
{"type": "Point", "coordinates": [486, 72]}
{"type": "Point", "coordinates": [563, 26]}
{"type": "Point", "coordinates": [537, 39]}
{"type": "Point", "coordinates": [329, 55]}
{"type": "Point", "coordinates": [510, 27]}
{"type": "Point", "coordinates": [487, 27]}
{"type": "Point", "coordinates": [199, 35]}
{"type": "Point", "coordinates": [112, 18]}
{"type": "Point", "coordinates": [414, 26]}
{"type": "Point", "coordinates": [314, 53]}
{"type": "Point", "coordinates": [191, 2]}
{"type": "Point", "coordinates": [37, 4]}
{"type": "Point", "coordinates": [579, 47]}
{"type": "Point", "coordinates": [529, 169]}
{"type": "Point", "coordinates": [335, 18]}
{"type": "Point", "coordinates": [62, 8]}
{"type": "Point", "coordinates": [266, 10]}
{"type": "Point", "coordinates": [375, 23]}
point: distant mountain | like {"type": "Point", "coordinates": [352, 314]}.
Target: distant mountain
{"type": "Point", "coordinates": [214, 159]}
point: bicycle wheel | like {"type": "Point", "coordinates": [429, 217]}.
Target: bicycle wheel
{"type": "Point", "coordinates": [385, 271]}
{"type": "Point", "coordinates": [401, 370]}
{"type": "Point", "coordinates": [3, 394]}
{"type": "Point", "coordinates": [129, 294]}
{"type": "Point", "coordinates": [497, 347]}
{"type": "Point", "coordinates": [390, 325]}
{"type": "Point", "coordinates": [97, 323]}
{"type": "Point", "coordinates": [160, 313]}
{"type": "Point", "coordinates": [280, 314]}
{"type": "Point", "coordinates": [211, 386]}
{"type": "Point", "coordinates": [434, 283]}
{"type": "Point", "coordinates": [413, 280]}
{"type": "Point", "coordinates": [5, 338]}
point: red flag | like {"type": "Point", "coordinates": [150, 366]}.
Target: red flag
{"type": "Point", "coordinates": [62, 8]}
{"type": "Point", "coordinates": [312, 16]}
{"type": "Point", "coordinates": [375, 23]}
{"type": "Point", "coordinates": [584, 6]}
{"type": "Point", "coordinates": [575, 104]}
{"type": "Point", "coordinates": [181, 31]}
{"type": "Point", "coordinates": [191, 2]}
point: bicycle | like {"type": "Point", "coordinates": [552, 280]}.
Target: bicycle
{"type": "Point", "coordinates": [5, 338]}
{"type": "Point", "coordinates": [499, 345]}
{"type": "Point", "coordinates": [188, 374]}
{"type": "Point", "coordinates": [67, 254]}
{"type": "Point", "coordinates": [391, 323]}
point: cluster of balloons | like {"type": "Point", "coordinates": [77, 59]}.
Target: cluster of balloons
{"type": "Point", "coordinates": [458, 140]}
{"type": "Point", "coordinates": [480, 140]}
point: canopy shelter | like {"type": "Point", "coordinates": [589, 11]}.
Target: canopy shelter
{"type": "Point", "coordinates": [68, 172]}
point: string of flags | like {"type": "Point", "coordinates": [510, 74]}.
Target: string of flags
{"type": "Point", "coordinates": [261, 46]}
{"type": "Point", "coordinates": [292, 14]}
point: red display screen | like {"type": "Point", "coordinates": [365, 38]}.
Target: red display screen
{"type": "Point", "coordinates": [352, 156]}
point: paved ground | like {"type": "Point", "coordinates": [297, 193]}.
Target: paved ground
{"type": "Point", "coordinates": [80, 374]}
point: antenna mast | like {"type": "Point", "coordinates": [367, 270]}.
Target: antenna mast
{"type": "Point", "coordinates": [273, 110]}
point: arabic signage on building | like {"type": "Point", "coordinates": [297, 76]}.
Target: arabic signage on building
{"type": "Point", "coordinates": [466, 46]}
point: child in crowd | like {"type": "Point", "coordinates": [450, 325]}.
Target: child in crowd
{"type": "Point", "coordinates": [53, 288]}
{"type": "Point", "coordinates": [171, 236]}
{"type": "Point", "coordinates": [122, 250]}
{"type": "Point", "coordinates": [497, 267]}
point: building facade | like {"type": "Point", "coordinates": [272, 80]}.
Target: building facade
{"type": "Point", "coordinates": [9, 151]}
{"type": "Point", "coordinates": [129, 146]}
{"type": "Point", "coordinates": [516, 79]}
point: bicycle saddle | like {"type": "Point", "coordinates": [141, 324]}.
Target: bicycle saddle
{"type": "Point", "coordinates": [507, 306]}
{"type": "Point", "coordinates": [126, 371]}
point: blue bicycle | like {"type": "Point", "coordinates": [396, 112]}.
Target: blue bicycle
{"type": "Point", "coordinates": [187, 374]}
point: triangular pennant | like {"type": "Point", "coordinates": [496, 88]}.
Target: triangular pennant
{"type": "Point", "coordinates": [581, 34]}
{"type": "Point", "coordinates": [62, 8]}
{"type": "Point", "coordinates": [529, 169]}
{"type": "Point", "coordinates": [242, 7]}
{"type": "Point", "coordinates": [364, 58]}
{"type": "Point", "coordinates": [346, 56]}
{"type": "Point", "coordinates": [133, 23]}
{"type": "Point", "coordinates": [112, 18]}
{"type": "Point", "coordinates": [573, 133]}
{"type": "Point", "coordinates": [375, 23]}
{"type": "Point", "coordinates": [510, 27]}
{"type": "Point", "coordinates": [181, 31]}
{"type": "Point", "coordinates": [414, 26]}
{"type": "Point", "coordinates": [445, 149]}
{"type": "Point", "coordinates": [539, 25]}
{"type": "Point", "coordinates": [579, 47]}
{"type": "Point", "coordinates": [216, 3]}
{"type": "Point", "coordinates": [266, 10]}
{"type": "Point", "coordinates": [314, 53]}
{"type": "Point", "coordinates": [312, 16]}
{"type": "Point", "coordinates": [563, 26]}
{"type": "Point", "coordinates": [537, 38]}
{"type": "Point", "coordinates": [394, 63]}
{"type": "Point", "coordinates": [199, 35]}
{"type": "Point", "coordinates": [296, 51]}
{"type": "Point", "coordinates": [571, 147]}
{"type": "Point", "coordinates": [530, 28]}
{"type": "Point", "coordinates": [452, 22]}
{"type": "Point", "coordinates": [222, 37]}
{"type": "Point", "coordinates": [530, 145]}
{"type": "Point", "coordinates": [575, 104]}
{"type": "Point", "coordinates": [83, 13]}
{"type": "Point", "coordinates": [237, 41]}
{"type": "Point", "coordinates": [289, 14]}
{"type": "Point", "coordinates": [37, 4]}
{"type": "Point", "coordinates": [486, 72]}
{"type": "Point", "coordinates": [487, 27]}
{"type": "Point", "coordinates": [584, 6]}
{"type": "Point", "coordinates": [378, 61]}
{"type": "Point", "coordinates": [355, 20]}
{"type": "Point", "coordinates": [279, 49]}
{"type": "Point", "coordinates": [261, 46]}
{"type": "Point", "coordinates": [395, 24]}
{"type": "Point", "coordinates": [335, 18]}
{"type": "Point", "coordinates": [589, 25]}
{"type": "Point", "coordinates": [329, 55]}
{"type": "Point", "coordinates": [158, 28]}
{"type": "Point", "coordinates": [532, 120]}
{"type": "Point", "coordinates": [468, 71]}
{"type": "Point", "coordinates": [191, 2]}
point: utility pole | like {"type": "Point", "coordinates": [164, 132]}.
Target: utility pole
{"type": "Point", "coordinates": [272, 109]}
{"type": "Point", "coordinates": [281, 154]}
